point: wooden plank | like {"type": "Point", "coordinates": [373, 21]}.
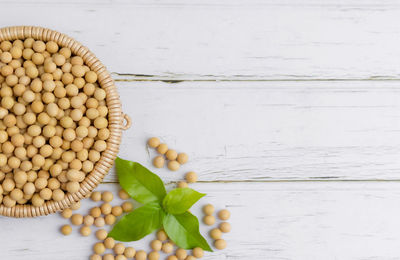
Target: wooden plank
{"type": "Point", "coordinates": [268, 130]}
{"type": "Point", "coordinates": [236, 40]}
{"type": "Point", "coordinates": [312, 220]}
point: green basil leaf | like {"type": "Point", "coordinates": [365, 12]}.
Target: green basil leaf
{"type": "Point", "coordinates": [183, 229]}
{"type": "Point", "coordinates": [140, 183]}
{"type": "Point", "coordinates": [180, 200]}
{"type": "Point", "coordinates": [139, 223]}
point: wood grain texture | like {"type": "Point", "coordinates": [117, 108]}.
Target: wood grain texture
{"type": "Point", "coordinates": [280, 104]}
{"type": "Point", "coordinates": [299, 221]}
{"type": "Point", "coordinates": [242, 40]}
{"type": "Point", "coordinates": [257, 131]}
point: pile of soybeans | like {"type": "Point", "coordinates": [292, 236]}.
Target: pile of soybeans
{"type": "Point", "coordinates": [53, 122]}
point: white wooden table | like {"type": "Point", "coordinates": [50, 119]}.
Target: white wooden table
{"type": "Point", "coordinates": [289, 110]}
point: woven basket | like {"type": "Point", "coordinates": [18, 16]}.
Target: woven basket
{"type": "Point", "coordinates": [115, 118]}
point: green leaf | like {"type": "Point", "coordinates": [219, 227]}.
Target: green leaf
{"type": "Point", "coordinates": [138, 223]}
{"type": "Point", "coordinates": [183, 229]}
{"type": "Point", "coordinates": [180, 200]}
{"type": "Point", "coordinates": [140, 183]}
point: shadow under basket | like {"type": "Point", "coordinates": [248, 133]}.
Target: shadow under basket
{"type": "Point", "coordinates": [117, 120]}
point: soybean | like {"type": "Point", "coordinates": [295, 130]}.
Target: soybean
{"type": "Point", "coordinates": [66, 230]}
{"type": "Point", "coordinates": [153, 142]}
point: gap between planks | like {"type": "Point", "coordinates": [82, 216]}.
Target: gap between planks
{"type": "Point", "coordinates": [176, 78]}
{"type": "Point", "coordinates": [277, 181]}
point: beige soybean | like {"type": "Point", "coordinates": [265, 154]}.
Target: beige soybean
{"type": "Point", "coordinates": [95, 257]}
{"type": "Point", "coordinates": [108, 257]}
{"type": "Point", "coordinates": [72, 186]}
{"type": "Point", "coordinates": [66, 230]}
{"type": "Point", "coordinates": [109, 242]}
{"type": "Point", "coordinates": [161, 235]}
{"type": "Point", "coordinates": [91, 77]}
{"type": "Point", "coordinates": [101, 234]}
{"type": "Point", "coordinates": [95, 212]}
{"type": "Point", "coordinates": [45, 194]}
{"type": "Point", "coordinates": [16, 194]}
{"type": "Point", "coordinates": [40, 183]}
{"type": "Point", "coordinates": [20, 177]}
{"type": "Point", "coordinates": [9, 202]}
{"type": "Point", "coordinates": [123, 194]}
{"type": "Point", "coordinates": [153, 255]}
{"type": "Point", "coordinates": [88, 220]}
{"type": "Point", "coordinates": [191, 177]}
{"type": "Point", "coordinates": [77, 219]}
{"type": "Point", "coordinates": [127, 206]}
{"type": "Point", "coordinates": [156, 245]}
{"type": "Point", "coordinates": [129, 252]}
{"type": "Point", "coordinates": [13, 162]}
{"type": "Point", "coordinates": [181, 253]}
{"type": "Point", "coordinates": [220, 244]}
{"type": "Point", "coordinates": [171, 155]}
{"type": "Point", "coordinates": [162, 148]}
{"type": "Point", "coordinates": [225, 227]}
{"type": "Point", "coordinates": [119, 248]}
{"type": "Point", "coordinates": [53, 184]}
{"type": "Point", "coordinates": [173, 165]}
{"type": "Point", "coordinates": [209, 220]}
{"type": "Point", "coordinates": [110, 219]}
{"type": "Point", "coordinates": [99, 248]}
{"type": "Point", "coordinates": [182, 184]}
{"type": "Point", "coordinates": [198, 252]}
{"type": "Point", "coordinates": [141, 255]}
{"type": "Point", "coordinates": [117, 211]}
{"type": "Point", "coordinates": [107, 196]}
{"type": "Point", "coordinates": [224, 214]}
{"type": "Point", "coordinates": [29, 189]}
{"type": "Point", "coordinates": [208, 209]}
{"type": "Point", "coordinates": [95, 196]}
{"type": "Point", "coordinates": [99, 222]}
{"type": "Point", "coordinates": [3, 160]}
{"type": "Point", "coordinates": [182, 158]}
{"type": "Point", "coordinates": [159, 161]}
{"type": "Point", "coordinates": [153, 142]}
{"type": "Point", "coordinates": [75, 175]}
{"type": "Point", "coordinates": [85, 231]}
{"type": "Point", "coordinates": [167, 247]}
{"type": "Point", "coordinates": [106, 208]}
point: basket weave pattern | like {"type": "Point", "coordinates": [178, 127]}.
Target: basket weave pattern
{"type": "Point", "coordinates": [115, 119]}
